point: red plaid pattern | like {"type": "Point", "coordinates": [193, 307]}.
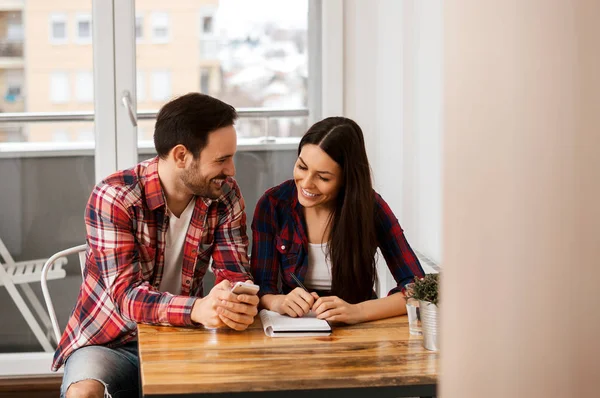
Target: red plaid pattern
{"type": "Point", "coordinates": [126, 225]}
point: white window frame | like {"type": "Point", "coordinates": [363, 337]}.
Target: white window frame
{"type": "Point", "coordinates": [82, 17]}
{"type": "Point", "coordinates": [53, 89]}
{"type": "Point", "coordinates": [54, 18]}
{"type": "Point", "coordinates": [207, 11]}
{"type": "Point", "coordinates": [154, 21]}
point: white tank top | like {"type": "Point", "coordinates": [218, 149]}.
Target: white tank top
{"type": "Point", "coordinates": [318, 276]}
{"type": "Point", "coordinates": [171, 279]}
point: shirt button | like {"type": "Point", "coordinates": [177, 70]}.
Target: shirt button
{"type": "Point", "coordinates": [187, 282]}
{"type": "Point", "coordinates": [282, 247]}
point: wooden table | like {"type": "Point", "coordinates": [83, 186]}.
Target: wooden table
{"type": "Point", "coordinates": [374, 359]}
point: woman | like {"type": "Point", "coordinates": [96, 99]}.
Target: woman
{"type": "Point", "coordinates": [325, 226]}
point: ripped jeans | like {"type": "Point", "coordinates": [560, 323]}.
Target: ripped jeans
{"type": "Point", "coordinates": [116, 368]}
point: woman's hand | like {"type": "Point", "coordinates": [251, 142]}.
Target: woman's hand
{"type": "Point", "coordinates": [296, 303]}
{"type": "Point", "coordinates": [334, 309]}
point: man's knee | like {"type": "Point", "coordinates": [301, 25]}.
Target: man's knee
{"type": "Point", "coordinates": [86, 389]}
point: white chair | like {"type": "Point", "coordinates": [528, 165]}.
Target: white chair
{"type": "Point", "coordinates": [22, 273]}
{"type": "Point", "coordinates": [45, 276]}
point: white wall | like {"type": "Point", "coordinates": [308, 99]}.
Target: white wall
{"type": "Point", "coordinates": [392, 88]}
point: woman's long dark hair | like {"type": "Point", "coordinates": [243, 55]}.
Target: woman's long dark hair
{"type": "Point", "coordinates": [353, 241]}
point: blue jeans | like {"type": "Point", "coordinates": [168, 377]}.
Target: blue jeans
{"type": "Point", "coordinates": [116, 368]}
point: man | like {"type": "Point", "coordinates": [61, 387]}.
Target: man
{"type": "Point", "coordinates": [151, 231]}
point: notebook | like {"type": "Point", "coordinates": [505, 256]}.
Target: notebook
{"type": "Point", "coordinates": [277, 325]}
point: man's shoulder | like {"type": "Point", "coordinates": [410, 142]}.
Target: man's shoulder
{"type": "Point", "coordinates": [125, 186]}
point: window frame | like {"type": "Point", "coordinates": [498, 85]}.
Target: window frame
{"type": "Point", "coordinates": [83, 17]}
{"type": "Point", "coordinates": [55, 18]}
{"type": "Point", "coordinates": [67, 90]}
{"type": "Point", "coordinates": [79, 98]}
{"type": "Point", "coordinates": [154, 23]}
{"type": "Point", "coordinates": [139, 16]}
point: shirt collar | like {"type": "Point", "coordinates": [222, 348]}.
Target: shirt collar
{"type": "Point", "coordinates": [155, 196]}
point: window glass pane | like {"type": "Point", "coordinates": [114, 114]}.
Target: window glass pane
{"type": "Point", "coordinates": [59, 30]}
{"type": "Point", "coordinates": [84, 29]}
{"type": "Point", "coordinates": [46, 168]}
{"type": "Point", "coordinates": [58, 27]}
{"type": "Point", "coordinates": [247, 53]}
{"type": "Point", "coordinates": [207, 24]}
{"type": "Point", "coordinates": [160, 26]}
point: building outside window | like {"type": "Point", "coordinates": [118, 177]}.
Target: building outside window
{"type": "Point", "coordinates": [58, 28]}
{"type": "Point", "coordinates": [59, 87]}
{"type": "Point", "coordinates": [161, 85]}
{"type": "Point", "coordinates": [139, 27]}
{"type": "Point", "coordinates": [160, 27]}
{"type": "Point", "coordinates": [84, 87]}
{"type": "Point", "coordinates": [84, 28]}
{"type": "Point", "coordinates": [140, 86]}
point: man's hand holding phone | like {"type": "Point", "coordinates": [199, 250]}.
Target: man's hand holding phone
{"type": "Point", "coordinates": [225, 307]}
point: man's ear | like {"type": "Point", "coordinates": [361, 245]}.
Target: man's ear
{"type": "Point", "coordinates": [180, 156]}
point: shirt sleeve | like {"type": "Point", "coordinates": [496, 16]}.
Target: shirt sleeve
{"type": "Point", "coordinates": [111, 241]}
{"type": "Point", "coordinates": [230, 255]}
{"type": "Point", "coordinates": [399, 256]}
{"type": "Point", "coordinates": [264, 261]}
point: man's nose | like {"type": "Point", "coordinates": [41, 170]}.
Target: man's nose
{"type": "Point", "coordinates": [229, 170]}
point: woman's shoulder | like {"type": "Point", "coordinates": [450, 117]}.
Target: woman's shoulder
{"type": "Point", "coordinates": [381, 206]}
{"type": "Point", "coordinates": [280, 195]}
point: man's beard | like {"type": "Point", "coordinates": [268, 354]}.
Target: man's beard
{"type": "Point", "coordinates": [202, 187]}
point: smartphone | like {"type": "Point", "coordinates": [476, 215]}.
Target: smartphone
{"type": "Point", "coordinates": [244, 288]}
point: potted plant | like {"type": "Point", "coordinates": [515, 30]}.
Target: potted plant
{"type": "Point", "coordinates": [425, 290]}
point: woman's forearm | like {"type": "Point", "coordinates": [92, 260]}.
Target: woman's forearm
{"type": "Point", "coordinates": [267, 301]}
{"type": "Point", "coordinates": [385, 307]}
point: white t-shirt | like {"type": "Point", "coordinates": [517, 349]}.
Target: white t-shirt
{"type": "Point", "coordinates": [318, 276]}
{"type": "Point", "coordinates": [171, 279]}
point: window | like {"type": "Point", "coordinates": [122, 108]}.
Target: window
{"type": "Point", "coordinates": [14, 81]}
{"type": "Point", "coordinates": [207, 24]}
{"type": "Point", "coordinates": [59, 87]}
{"type": "Point", "coordinates": [160, 27]}
{"type": "Point", "coordinates": [84, 28]}
{"type": "Point", "coordinates": [140, 85]}
{"type": "Point", "coordinates": [58, 28]}
{"type": "Point", "coordinates": [139, 27]}
{"type": "Point", "coordinates": [84, 87]}
{"type": "Point", "coordinates": [14, 27]}
{"type": "Point", "coordinates": [161, 85]}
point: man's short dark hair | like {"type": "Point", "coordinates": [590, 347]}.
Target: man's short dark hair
{"type": "Point", "coordinates": [187, 120]}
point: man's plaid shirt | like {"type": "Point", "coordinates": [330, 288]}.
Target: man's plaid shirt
{"type": "Point", "coordinates": [126, 224]}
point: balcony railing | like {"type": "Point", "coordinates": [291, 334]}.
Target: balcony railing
{"type": "Point", "coordinates": [88, 116]}
{"type": "Point", "coordinates": [259, 129]}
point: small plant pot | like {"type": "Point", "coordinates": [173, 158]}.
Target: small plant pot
{"type": "Point", "coordinates": [429, 325]}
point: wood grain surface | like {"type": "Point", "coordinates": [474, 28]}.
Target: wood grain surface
{"type": "Point", "coordinates": [196, 360]}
